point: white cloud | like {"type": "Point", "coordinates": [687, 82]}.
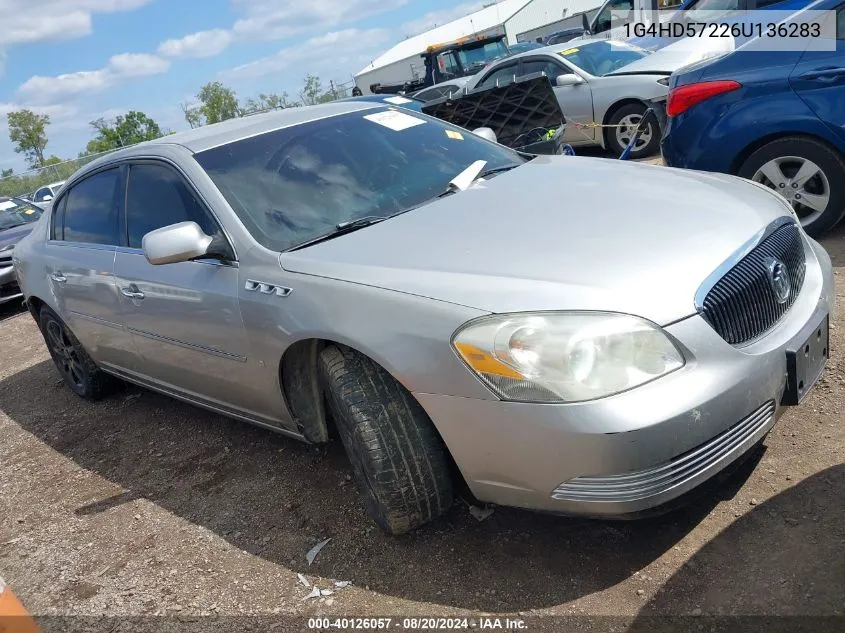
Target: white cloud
{"type": "Point", "coordinates": [200, 44]}
{"type": "Point", "coordinates": [54, 19]}
{"type": "Point", "coordinates": [438, 18]}
{"type": "Point", "coordinates": [273, 20]}
{"type": "Point", "coordinates": [46, 90]}
{"type": "Point", "coordinates": [333, 51]}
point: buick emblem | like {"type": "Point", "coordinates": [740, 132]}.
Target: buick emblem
{"type": "Point", "coordinates": [778, 279]}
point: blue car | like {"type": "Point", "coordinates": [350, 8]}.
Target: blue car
{"type": "Point", "coordinates": [777, 118]}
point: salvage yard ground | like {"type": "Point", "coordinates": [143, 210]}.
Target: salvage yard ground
{"type": "Point", "coordinates": [141, 505]}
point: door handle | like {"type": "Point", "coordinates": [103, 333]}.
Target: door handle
{"type": "Point", "coordinates": [132, 292]}
{"type": "Point", "coordinates": [828, 73]}
{"type": "Point", "coordinates": [59, 278]}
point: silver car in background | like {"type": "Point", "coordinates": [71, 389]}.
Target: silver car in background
{"type": "Point", "coordinates": [359, 271]}
{"type": "Point", "coordinates": [608, 83]}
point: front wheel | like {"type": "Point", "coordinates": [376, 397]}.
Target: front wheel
{"type": "Point", "coordinates": [808, 174]}
{"type": "Point", "coordinates": [625, 121]}
{"type": "Point", "coordinates": [399, 461]}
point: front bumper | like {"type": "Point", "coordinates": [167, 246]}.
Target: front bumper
{"type": "Point", "coordinates": [637, 450]}
{"type": "Point", "coordinates": [9, 289]}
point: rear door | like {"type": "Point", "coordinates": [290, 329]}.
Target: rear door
{"type": "Point", "coordinates": [184, 318]}
{"type": "Point", "coordinates": [85, 232]}
{"type": "Point", "coordinates": [819, 79]}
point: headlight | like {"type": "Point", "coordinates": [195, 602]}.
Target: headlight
{"type": "Point", "coordinates": [565, 356]}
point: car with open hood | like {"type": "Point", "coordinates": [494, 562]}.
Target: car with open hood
{"type": "Point", "coordinates": [362, 272]}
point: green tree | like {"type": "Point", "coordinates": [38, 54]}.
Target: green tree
{"type": "Point", "coordinates": [7, 173]}
{"type": "Point", "coordinates": [53, 160]}
{"type": "Point", "coordinates": [28, 132]}
{"type": "Point", "coordinates": [217, 103]}
{"type": "Point", "coordinates": [129, 129]}
{"type": "Point", "coordinates": [312, 90]}
{"type": "Point", "coordinates": [267, 102]}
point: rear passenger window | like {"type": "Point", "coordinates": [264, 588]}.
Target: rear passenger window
{"type": "Point", "coordinates": [158, 197]}
{"type": "Point", "coordinates": [91, 210]}
{"type": "Point", "coordinates": [58, 229]}
{"type": "Point", "coordinates": [501, 76]}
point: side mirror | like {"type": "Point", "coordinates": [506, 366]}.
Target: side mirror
{"type": "Point", "coordinates": [585, 24]}
{"type": "Point", "coordinates": [180, 242]}
{"type": "Point", "coordinates": [47, 198]}
{"type": "Point", "coordinates": [486, 132]}
{"type": "Point", "coordinates": [569, 79]}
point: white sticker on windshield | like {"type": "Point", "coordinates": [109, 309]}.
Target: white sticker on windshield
{"type": "Point", "coordinates": [398, 100]}
{"type": "Point", "coordinates": [394, 120]}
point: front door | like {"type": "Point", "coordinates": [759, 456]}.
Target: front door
{"type": "Point", "coordinates": [184, 318]}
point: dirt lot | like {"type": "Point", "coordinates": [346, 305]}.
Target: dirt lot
{"type": "Point", "coordinates": [140, 505]}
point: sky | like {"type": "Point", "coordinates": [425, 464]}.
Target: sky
{"type": "Point", "coordinates": [79, 60]}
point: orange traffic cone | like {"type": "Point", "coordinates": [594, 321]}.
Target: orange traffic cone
{"type": "Point", "coordinates": [13, 617]}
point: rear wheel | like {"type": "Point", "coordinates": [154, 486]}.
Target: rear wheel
{"type": "Point", "coordinates": [79, 372]}
{"type": "Point", "coordinates": [626, 119]}
{"type": "Point", "coordinates": [808, 174]}
{"type": "Point", "coordinates": [399, 461]}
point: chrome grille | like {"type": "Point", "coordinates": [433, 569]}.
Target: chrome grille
{"type": "Point", "coordinates": [742, 305]}
{"type": "Point", "coordinates": [650, 482]}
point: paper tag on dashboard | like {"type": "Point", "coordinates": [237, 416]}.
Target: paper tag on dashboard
{"type": "Point", "coordinates": [394, 120]}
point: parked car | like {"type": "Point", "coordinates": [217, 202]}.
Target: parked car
{"type": "Point", "coordinates": [17, 218]}
{"type": "Point", "coordinates": [609, 83]}
{"type": "Point", "coordinates": [47, 192]}
{"type": "Point", "coordinates": [774, 117]}
{"type": "Point", "coordinates": [563, 36]}
{"type": "Point", "coordinates": [280, 269]}
{"type": "Point", "coordinates": [400, 101]}
{"type": "Point", "coordinates": [445, 89]}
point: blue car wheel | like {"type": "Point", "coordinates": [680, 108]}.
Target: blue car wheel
{"type": "Point", "coordinates": [809, 174]}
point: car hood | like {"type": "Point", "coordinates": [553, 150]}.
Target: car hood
{"type": "Point", "coordinates": [680, 53]}
{"type": "Point", "coordinates": [559, 233]}
{"type": "Point", "coordinates": [14, 235]}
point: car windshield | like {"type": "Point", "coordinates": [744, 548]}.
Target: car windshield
{"type": "Point", "coordinates": [293, 185]}
{"type": "Point", "coordinates": [16, 212]}
{"type": "Point", "coordinates": [602, 58]}
{"type": "Point", "coordinates": [476, 58]}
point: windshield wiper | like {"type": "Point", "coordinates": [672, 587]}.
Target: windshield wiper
{"type": "Point", "coordinates": [496, 170]}
{"type": "Point", "coordinates": [342, 229]}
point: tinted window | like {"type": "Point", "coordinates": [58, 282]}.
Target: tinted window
{"type": "Point", "coordinates": [613, 11]}
{"type": "Point", "coordinates": [840, 24]}
{"type": "Point", "coordinates": [90, 214]}
{"type": "Point", "coordinates": [547, 66]}
{"type": "Point", "coordinates": [57, 230]}
{"type": "Point", "coordinates": [156, 197]}
{"type": "Point", "coordinates": [292, 185]}
{"type": "Point", "coordinates": [503, 76]}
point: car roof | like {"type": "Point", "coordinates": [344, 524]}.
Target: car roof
{"type": "Point", "coordinates": [216, 134]}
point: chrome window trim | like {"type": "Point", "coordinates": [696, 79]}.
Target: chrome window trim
{"type": "Point", "coordinates": [209, 261]}
{"type": "Point", "coordinates": [713, 278]}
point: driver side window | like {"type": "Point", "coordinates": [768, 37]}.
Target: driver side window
{"type": "Point", "coordinates": [610, 11]}
{"type": "Point", "coordinates": [501, 76]}
{"type": "Point", "coordinates": [157, 196]}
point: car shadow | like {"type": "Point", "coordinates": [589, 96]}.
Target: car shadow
{"type": "Point", "coordinates": [11, 309]}
{"type": "Point", "coordinates": [276, 498]}
{"type": "Point", "coordinates": [784, 560]}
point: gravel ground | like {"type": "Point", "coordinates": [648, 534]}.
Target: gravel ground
{"type": "Point", "coordinates": [140, 505]}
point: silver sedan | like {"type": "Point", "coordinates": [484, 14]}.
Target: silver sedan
{"type": "Point", "coordinates": [603, 82]}
{"type": "Point", "coordinates": [372, 274]}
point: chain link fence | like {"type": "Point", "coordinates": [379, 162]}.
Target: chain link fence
{"type": "Point", "coordinates": [26, 183]}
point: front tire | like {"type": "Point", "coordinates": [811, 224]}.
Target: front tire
{"type": "Point", "coordinates": [399, 461]}
{"type": "Point", "coordinates": [808, 174]}
{"type": "Point", "coordinates": [629, 117]}
{"type": "Point", "coordinates": [75, 366]}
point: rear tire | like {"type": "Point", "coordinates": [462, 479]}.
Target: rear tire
{"type": "Point", "coordinates": [616, 140]}
{"type": "Point", "coordinates": [781, 159]}
{"type": "Point", "coordinates": [75, 366]}
{"type": "Point", "coordinates": [399, 461]}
